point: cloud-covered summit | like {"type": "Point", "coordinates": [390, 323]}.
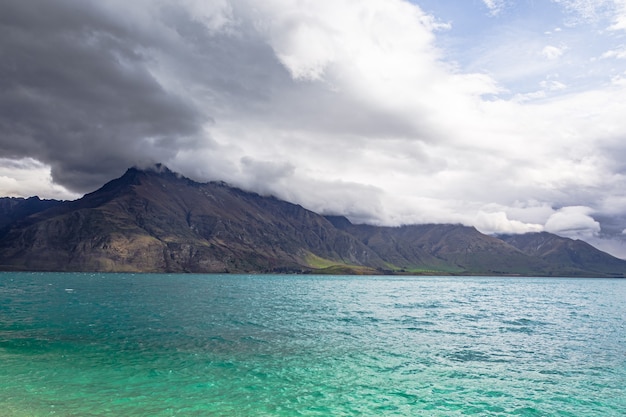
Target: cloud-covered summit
{"type": "Point", "coordinates": [387, 111]}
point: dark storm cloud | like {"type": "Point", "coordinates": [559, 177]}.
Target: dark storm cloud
{"type": "Point", "coordinates": [91, 88]}
{"type": "Point", "coordinates": [76, 93]}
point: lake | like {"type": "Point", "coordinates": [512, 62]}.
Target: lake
{"type": "Point", "coordinates": [287, 345]}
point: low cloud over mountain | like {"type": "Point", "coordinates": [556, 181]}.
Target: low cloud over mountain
{"type": "Point", "coordinates": [158, 221]}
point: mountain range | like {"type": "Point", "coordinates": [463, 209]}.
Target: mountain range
{"type": "Point", "coordinates": [154, 220]}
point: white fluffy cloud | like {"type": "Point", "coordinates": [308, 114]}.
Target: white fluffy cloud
{"type": "Point", "coordinates": [574, 222]}
{"type": "Point", "coordinates": [552, 52]}
{"type": "Point", "coordinates": [498, 222]}
{"type": "Point", "coordinates": [495, 6]}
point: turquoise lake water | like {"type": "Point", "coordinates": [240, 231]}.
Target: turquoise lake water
{"type": "Point", "coordinates": [281, 345]}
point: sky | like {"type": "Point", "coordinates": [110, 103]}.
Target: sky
{"type": "Point", "coordinates": [505, 115]}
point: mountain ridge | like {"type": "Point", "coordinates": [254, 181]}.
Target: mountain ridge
{"type": "Point", "coordinates": [155, 220]}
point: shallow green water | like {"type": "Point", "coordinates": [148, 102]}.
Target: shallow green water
{"type": "Point", "coordinates": [234, 345]}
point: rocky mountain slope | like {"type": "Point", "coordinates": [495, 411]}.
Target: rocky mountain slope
{"type": "Point", "coordinates": [13, 209]}
{"type": "Point", "coordinates": [572, 257]}
{"type": "Point", "coordinates": [157, 221]}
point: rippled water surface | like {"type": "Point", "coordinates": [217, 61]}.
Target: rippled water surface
{"type": "Point", "coordinates": [236, 345]}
